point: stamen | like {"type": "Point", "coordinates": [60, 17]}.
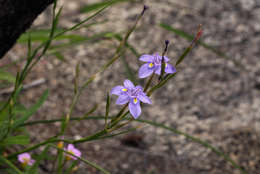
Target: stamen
{"type": "Point", "coordinates": [124, 89]}
{"type": "Point", "coordinates": [165, 65]}
{"type": "Point", "coordinates": [151, 65]}
{"type": "Point", "coordinates": [26, 160]}
{"type": "Point", "coordinates": [135, 100]}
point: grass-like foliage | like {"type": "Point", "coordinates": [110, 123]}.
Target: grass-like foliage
{"type": "Point", "coordinates": [14, 116]}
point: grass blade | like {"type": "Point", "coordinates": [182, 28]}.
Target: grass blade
{"type": "Point", "coordinates": [32, 110]}
{"type": "Point", "coordinates": [10, 164]}
{"type": "Point", "coordinates": [18, 139]}
{"type": "Point", "coordinates": [84, 161]}
{"type": "Point", "coordinates": [162, 126]}
{"type": "Point", "coordinates": [205, 45]}
{"type": "Point", "coordinates": [107, 108]}
{"type": "Point", "coordinates": [96, 6]}
{"type": "Point", "coordinates": [6, 76]}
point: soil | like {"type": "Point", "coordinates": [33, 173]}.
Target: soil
{"type": "Point", "coordinates": [210, 98]}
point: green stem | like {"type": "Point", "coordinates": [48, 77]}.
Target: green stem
{"type": "Point", "coordinates": [85, 161]}
{"type": "Point", "coordinates": [159, 125]}
{"type": "Point", "coordinates": [10, 164]}
{"type": "Point", "coordinates": [50, 140]}
{"type": "Point", "coordinates": [119, 51]}
{"type": "Point", "coordinates": [148, 83]}
{"type": "Point", "coordinates": [91, 137]}
{"type": "Point", "coordinates": [61, 166]}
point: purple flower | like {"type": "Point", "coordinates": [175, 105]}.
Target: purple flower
{"type": "Point", "coordinates": [153, 64]}
{"type": "Point", "coordinates": [71, 149]}
{"type": "Point", "coordinates": [25, 159]}
{"type": "Point", "coordinates": [133, 95]}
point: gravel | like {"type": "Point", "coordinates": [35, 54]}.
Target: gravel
{"type": "Point", "coordinates": [210, 98]}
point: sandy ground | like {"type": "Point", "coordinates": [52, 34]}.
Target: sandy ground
{"type": "Point", "coordinates": [210, 98]}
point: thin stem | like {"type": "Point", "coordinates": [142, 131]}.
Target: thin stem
{"type": "Point", "coordinates": [163, 62]}
{"type": "Point", "coordinates": [9, 163]}
{"type": "Point", "coordinates": [84, 160]}
{"type": "Point", "coordinates": [148, 83]}
{"type": "Point", "coordinates": [119, 51]}
{"type": "Point", "coordinates": [59, 170]}
{"type": "Point", "coordinates": [160, 125]}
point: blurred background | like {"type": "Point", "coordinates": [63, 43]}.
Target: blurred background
{"type": "Point", "coordinates": [215, 96]}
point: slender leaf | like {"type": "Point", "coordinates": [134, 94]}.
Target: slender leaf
{"type": "Point", "coordinates": [184, 54]}
{"type": "Point", "coordinates": [205, 45]}
{"type": "Point", "coordinates": [95, 6]}
{"type": "Point", "coordinates": [159, 125]}
{"type": "Point", "coordinates": [4, 75]}
{"type": "Point", "coordinates": [71, 43]}
{"type": "Point", "coordinates": [10, 164]}
{"type": "Point", "coordinates": [84, 161]}
{"type": "Point", "coordinates": [107, 108]}
{"type": "Point", "coordinates": [42, 35]}
{"type": "Point", "coordinates": [79, 25]}
{"type": "Point", "coordinates": [32, 110]}
{"type": "Point", "coordinates": [42, 156]}
{"type": "Point", "coordinates": [19, 139]}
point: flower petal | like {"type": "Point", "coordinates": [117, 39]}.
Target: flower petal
{"type": "Point", "coordinates": [77, 153]}
{"type": "Point", "coordinates": [146, 58]}
{"type": "Point", "coordinates": [145, 71]}
{"type": "Point", "coordinates": [70, 147]}
{"type": "Point", "coordinates": [31, 162]}
{"type": "Point", "coordinates": [158, 70]}
{"type": "Point", "coordinates": [23, 156]}
{"type": "Point", "coordinates": [170, 69]}
{"type": "Point", "coordinates": [139, 87]}
{"type": "Point", "coordinates": [135, 109]}
{"type": "Point", "coordinates": [128, 84]}
{"type": "Point", "coordinates": [117, 90]}
{"type": "Point", "coordinates": [166, 59]}
{"type": "Point", "coordinates": [143, 98]}
{"type": "Point", "coordinates": [122, 99]}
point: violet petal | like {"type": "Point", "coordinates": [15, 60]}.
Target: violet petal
{"type": "Point", "coordinates": [128, 84]}
{"type": "Point", "coordinates": [143, 98]}
{"type": "Point", "coordinates": [158, 70]}
{"type": "Point", "coordinates": [170, 69]}
{"type": "Point", "coordinates": [122, 99]}
{"type": "Point", "coordinates": [135, 109]}
{"type": "Point", "coordinates": [145, 71]}
{"type": "Point", "coordinates": [117, 90]}
{"type": "Point", "coordinates": [146, 58]}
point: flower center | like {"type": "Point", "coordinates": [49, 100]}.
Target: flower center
{"type": "Point", "coordinates": [135, 100]}
{"type": "Point", "coordinates": [157, 60]}
{"type": "Point", "coordinates": [124, 89]}
{"type": "Point", "coordinates": [151, 65]}
{"type": "Point", "coordinates": [134, 92]}
{"type": "Point", "coordinates": [26, 160]}
{"type": "Point", "coordinates": [71, 152]}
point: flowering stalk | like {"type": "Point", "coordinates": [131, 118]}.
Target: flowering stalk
{"type": "Point", "coordinates": [72, 150]}
{"type": "Point", "coordinates": [188, 49]}
{"type": "Point", "coordinates": [84, 161]}
{"type": "Point", "coordinates": [132, 95]}
{"type": "Point", "coordinates": [61, 166]}
{"type": "Point", "coordinates": [148, 83]}
{"type": "Point", "coordinates": [163, 63]}
{"type": "Point", "coordinates": [25, 159]}
{"type": "Point", "coordinates": [153, 64]}
{"type": "Point", "coordinates": [119, 51]}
